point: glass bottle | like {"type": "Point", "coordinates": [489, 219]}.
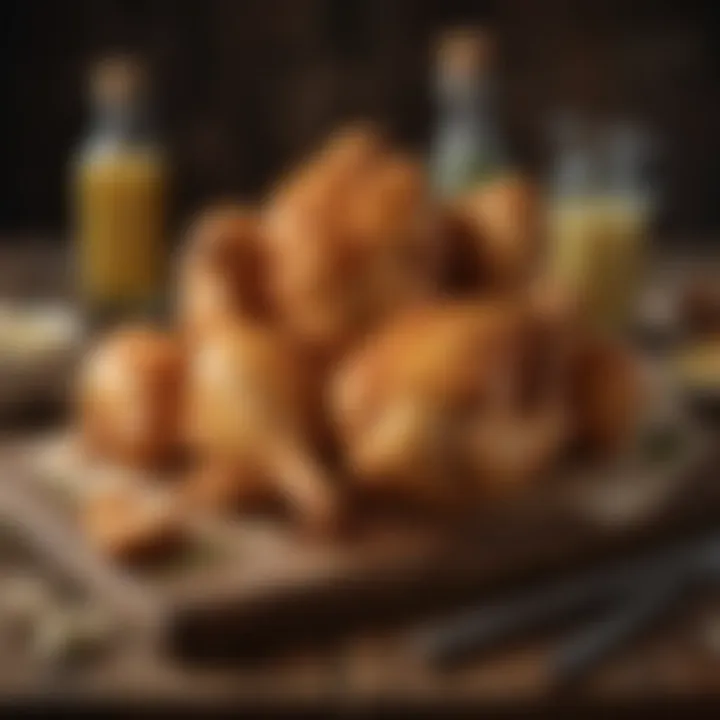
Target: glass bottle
{"type": "Point", "coordinates": [119, 183]}
{"type": "Point", "coordinates": [468, 147]}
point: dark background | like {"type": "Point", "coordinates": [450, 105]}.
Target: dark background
{"type": "Point", "coordinates": [245, 86]}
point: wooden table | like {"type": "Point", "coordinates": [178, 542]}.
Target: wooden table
{"type": "Point", "coordinates": [677, 663]}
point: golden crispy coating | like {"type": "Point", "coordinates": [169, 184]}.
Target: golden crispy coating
{"type": "Point", "coordinates": [219, 488]}
{"type": "Point", "coordinates": [364, 245]}
{"type": "Point", "coordinates": [415, 404]}
{"type": "Point", "coordinates": [504, 217]}
{"type": "Point", "coordinates": [317, 188]}
{"type": "Point", "coordinates": [393, 219]}
{"type": "Point", "coordinates": [221, 272]}
{"type": "Point", "coordinates": [130, 525]}
{"type": "Point", "coordinates": [351, 151]}
{"type": "Point", "coordinates": [130, 397]}
{"type": "Point", "coordinates": [248, 413]}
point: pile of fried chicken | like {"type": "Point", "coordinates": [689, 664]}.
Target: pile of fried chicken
{"type": "Point", "coordinates": [352, 337]}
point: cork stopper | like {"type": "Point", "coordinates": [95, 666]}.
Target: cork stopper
{"type": "Point", "coordinates": [116, 81]}
{"type": "Point", "coordinates": [465, 52]}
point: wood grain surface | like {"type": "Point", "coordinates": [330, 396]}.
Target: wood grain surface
{"type": "Point", "coordinates": [259, 587]}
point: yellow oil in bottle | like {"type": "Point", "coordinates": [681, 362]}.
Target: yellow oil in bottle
{"type": "Point", "coordinates": [120, 228]}
{"type": "Point", "coordinates": [119, 198]}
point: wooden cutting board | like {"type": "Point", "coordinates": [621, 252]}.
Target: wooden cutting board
{"type": "Point", "coordinates": [249, 584]}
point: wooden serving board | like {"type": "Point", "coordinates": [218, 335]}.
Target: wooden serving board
{"type": "Point", "coordinates": [251, 583]}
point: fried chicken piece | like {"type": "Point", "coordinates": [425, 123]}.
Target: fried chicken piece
{"type": "Point", "coordinates": [463, 272]}
{"type": "Point", "coordinates": [602, 375]}
{"type": "Point", "coordinates": [132, 525]}
{"type": "Point", "coordinates": [130, 398]}
{"type": "Point", "coordinates": [218, 489]}
{"type": "Point", "coordinates": [317, 188]}
{"type": "Point", "coordinates": [221, 272]}
{"type": "Point", "coordinates": [364, 247]}
{"type": "Point", "coordinates": [352, 151]}
{"type": "Point", "coordinates": [700, 306]}
{"type": "Point", "coordinates": [248, 415]}
{"type": "Point", "coordinates": [504, 219]}
{"type": "Point", "coordinates": [607, 392]}
{"type": "Point", "coordinates": [392, 217]}
{"type": "Point", "coordinates": [434, 404]}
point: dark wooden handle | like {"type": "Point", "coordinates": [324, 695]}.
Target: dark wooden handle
{"type": "Point", "coordinates": [482, 629]}
{"type": "Point", "coordinates": [583, 652]}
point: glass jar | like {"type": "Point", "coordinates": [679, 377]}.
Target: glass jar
{"type": "Point", "coordinates": [598, 219]}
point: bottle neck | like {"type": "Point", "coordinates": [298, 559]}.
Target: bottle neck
{"type": "Point", "coordinates": [120, 123]}
{"type": "Point", "coordinates": [466, 100]}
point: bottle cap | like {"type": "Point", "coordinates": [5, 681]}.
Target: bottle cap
{"type": "Point", "coordinates": [465, 52]}
{"type": "Point", "coordinates": [117, 80]}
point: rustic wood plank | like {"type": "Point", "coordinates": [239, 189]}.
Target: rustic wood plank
{"type": "Point", "coordinates": [263, 589]}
